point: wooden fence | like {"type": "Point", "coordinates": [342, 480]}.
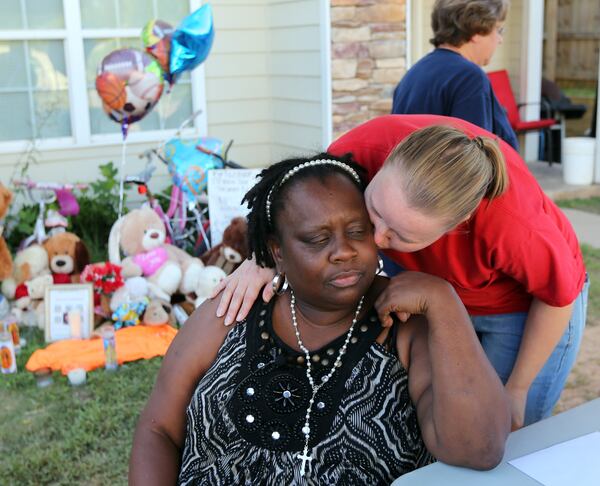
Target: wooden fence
{"type": "Point", "coordinates": [571, 41]}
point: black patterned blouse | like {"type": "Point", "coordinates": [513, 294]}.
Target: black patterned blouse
{"type": "Point", "coordinates": [245, 418]}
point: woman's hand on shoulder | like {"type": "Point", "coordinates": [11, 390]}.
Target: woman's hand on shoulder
{"type": "Point", "coordinates": [240, 290]}
{"type": "Point", "coordinates": [410, 293]}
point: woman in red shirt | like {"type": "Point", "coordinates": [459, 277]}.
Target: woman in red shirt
{"type": "Point", "coordinates": [452, 202]}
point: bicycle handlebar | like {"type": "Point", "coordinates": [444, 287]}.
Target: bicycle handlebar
{"type": "Point", "coordinates": [48, 186]}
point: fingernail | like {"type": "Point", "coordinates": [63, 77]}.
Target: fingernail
{"type": "Point", "coordinates": [227, 324]}
{"type": "Point", "coordinates": [220, 312]}
{"type": "Point", "coordinates": [238, 317]}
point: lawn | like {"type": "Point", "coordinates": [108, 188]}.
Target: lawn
{"type": "Point", "coordinates": [591, 205]}
{"type": "Point", "coordinates": [67, 436]}
{"type": "Point", "coordinates": [64, 435]}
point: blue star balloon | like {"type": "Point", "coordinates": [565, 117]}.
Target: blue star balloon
{"type": "Point", "coordinates": [192, 40]}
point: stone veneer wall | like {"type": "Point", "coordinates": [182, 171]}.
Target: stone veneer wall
{"type": "Point", "coordinates": [368, 58]}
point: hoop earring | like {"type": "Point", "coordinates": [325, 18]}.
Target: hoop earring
{"type": "Point", "coordinates": [279, 283]}
{"type": "Point", "coordinates": [379, 270]}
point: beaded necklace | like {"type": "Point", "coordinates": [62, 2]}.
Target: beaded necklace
{"type": "Point", "coordinates": [304, 457]}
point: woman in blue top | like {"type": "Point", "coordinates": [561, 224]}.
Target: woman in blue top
{"type": "Point", "coordinates": [449, 81]}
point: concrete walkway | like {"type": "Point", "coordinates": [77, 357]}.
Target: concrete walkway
{"type": "Point", "coordinates": [586, 225]}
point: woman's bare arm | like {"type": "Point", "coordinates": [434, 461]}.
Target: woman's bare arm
{"type": "Point", "coordinates": [462, 409]}
{"type": "Point", "coordinates": [160, 432]}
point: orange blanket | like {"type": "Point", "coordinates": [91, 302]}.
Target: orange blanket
{"type": "Point", "coordinates": [132, 343]}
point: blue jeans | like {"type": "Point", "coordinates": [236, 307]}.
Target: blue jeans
{"type": "Point", "coordinates": [500, 336]}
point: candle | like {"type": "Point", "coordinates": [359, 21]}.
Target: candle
{"type": "Point", "coordinates": [76, 377]}
{"type": "Point", "coordinates": [74, 318]}
{"type": "Point", "coordinates": [43, 377]}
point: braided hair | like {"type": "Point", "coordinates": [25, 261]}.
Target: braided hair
{"type": "Point", "coordinates": [267, 193]}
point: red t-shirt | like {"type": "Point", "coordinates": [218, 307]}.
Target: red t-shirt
{"type": "Point", "coordinates": [517, 246]}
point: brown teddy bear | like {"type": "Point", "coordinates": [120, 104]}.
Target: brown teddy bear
{"type": "Point", "coordinates": [233, 250]}
{"type": "Point", "coordinates": [6, 263]}
{"type": "Point", "coordinates": [67, 256]}
{"type": "Point", "coordinates": [157, 313]}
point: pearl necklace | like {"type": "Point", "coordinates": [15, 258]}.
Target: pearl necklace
{"type": "Point", "coordinates": [304, 457]}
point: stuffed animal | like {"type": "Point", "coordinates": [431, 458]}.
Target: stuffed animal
{"type": "Point", "coordinates": [135, 289]}
{"type": "Point", "coordinates": [157, 313]}
{"type": "Point", "coordinates": [67, 256]}
{"type": "Point", "coordinates": [233, 250]}
{"type": "Point", "coordinates": [210, 277]}
{"type": "Point", "coordinates": [36, 289]}
{"type": "Point", "coordinates": [6, 263]}
{"type": "Point", "coordinates": [29, 263]}
{"type": "Point", "coordinates": [141, 235]}
{"type": "Point", "coordinates": [129, 313]}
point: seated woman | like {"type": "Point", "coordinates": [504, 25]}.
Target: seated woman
{"type": "Point", "coordinates": [311, 388]}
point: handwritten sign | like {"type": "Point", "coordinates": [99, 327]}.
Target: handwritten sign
{"type": "Point", "coordinates": [226, 188]}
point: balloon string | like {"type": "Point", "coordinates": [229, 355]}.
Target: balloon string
{"type": "Point", "coordinates": [122, 177]}
{"type": "Point", "coordinates": [165, 107]}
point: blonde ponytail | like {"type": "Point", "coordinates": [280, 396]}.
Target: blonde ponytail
{"type": "Point", "coordinates": [499, 182]}
{"type": "Point", "coordinates": [446, 174]}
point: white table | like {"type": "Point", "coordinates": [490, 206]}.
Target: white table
{"type": "Point", "coordinates": [559, 428]}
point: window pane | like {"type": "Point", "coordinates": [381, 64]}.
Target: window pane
{"type": "Point", "coordinates": [34, 90]}
{"type": "Point", "coordinates": [52, 114]}
{"type": "Point", "coordinates": [135, 13]}
{"type": "Point", "coordinates": [172, 11]}
{"type": "Point", "coordinates": [31, 14]}
{"type": "Point", "coordinates": [98, 14]}
{"type": "Point", "coordinates": [12, 65]}
{"type": "Point", "coordinates": [44, 14]}
{"type": "Point", "coordinates": [47, 61]}
{"type": "Point", "coordinates": [176, 106]}
{"type": "Point", "coordinates": [15, 119]}
{"type": "Point", "coordinates": [110, 14]}
{"type": "Point", "coordinates": [11, 16]}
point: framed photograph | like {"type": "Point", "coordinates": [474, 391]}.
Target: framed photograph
{"type": "Point", "coordinates": [69, 312]}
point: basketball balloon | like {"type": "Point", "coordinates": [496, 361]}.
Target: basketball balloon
{"type": "Point", "coordinates": [130, 83]}
{"type": "Point", "coordinates": [112, 90]}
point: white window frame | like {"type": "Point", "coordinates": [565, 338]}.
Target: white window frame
{"type": "Point", "coordinates": [73, 36]}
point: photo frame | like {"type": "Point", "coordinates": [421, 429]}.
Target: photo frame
{"type": "Point", "coordinates": [69, 311]}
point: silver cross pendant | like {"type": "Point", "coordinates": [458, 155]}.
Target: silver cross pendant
{"type": "Point", "coordinates": [304, 457]}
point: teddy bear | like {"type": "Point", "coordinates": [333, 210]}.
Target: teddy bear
{"type": "Point", "coordinates": [134, 289]}
{"type": "Point", "coordinates": [34, 302]}
{"type": "Point", "coordinates": [232, 250]}
{"type": "Point", "coordinates": [211, 275]}
{"type": "Point", "coordinates": [29, 263]}
{"type": "Point", "coordinates": [67, 256]}
{"type": "Point", "coordinates": [141, 235]}
{"type": "Point", "coordinates": [157, 313]}
{"type": "Point", "coordinates": [6, 263]}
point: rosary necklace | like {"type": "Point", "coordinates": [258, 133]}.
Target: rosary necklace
{"type": "Point", "coordinates": [304, 457]}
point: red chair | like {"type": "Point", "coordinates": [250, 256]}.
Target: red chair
{"type": "Point", "coordinates": [504, 93]}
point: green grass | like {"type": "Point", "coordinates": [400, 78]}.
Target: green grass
{"type": "Point", "coordinates": [592, 264]}
{"type": "Point", "coordinates": [65, 435]}
{"type": "Point", "coordinates": [580, 92]}
{"type": "Point", "coordinates": [591, 205]}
